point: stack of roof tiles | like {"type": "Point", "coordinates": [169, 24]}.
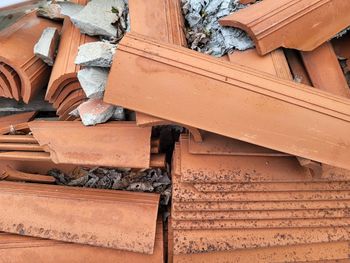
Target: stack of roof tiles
{"type": "Point", "coordinates": [23, 76]}
{"type": "Point", "coordinates": [64, 90]}
{"type": "Point", "coordinates": [261, 173]}
{"type": "Point", "coordinates": [235, 202]}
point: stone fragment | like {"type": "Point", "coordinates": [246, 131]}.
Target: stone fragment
{"type": "Point", "coordinates": [97, 18]}
{"type": "Point", "coordinates": [58, 10]}
{"type": "Point", "coordinates": [46, 47]}
{"type": "Point", "coordinates": [95, 111]}
{"type": "Point", "coordinates": [119, 114]}
{"type": "Point", "coordinates": [69, 8]}
{"type": "Point", "coordinates": [93, 81]}
{"type": "Point", "coordinates": [205, 34]}
{"type": "Point", "coordinates": [95, 54]}
{"type": "Point", "coordinates": [52, 11]}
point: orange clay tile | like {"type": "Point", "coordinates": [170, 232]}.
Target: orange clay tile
{"type": "Point", "coordinates": [214, 218]}
{"type": "Point", "coordinates": [297, 67]}
{"type": "Point", "coordinates": [267, 215]}
{"type": "Point", "coordinates": [274, 63]}
{"type": "Point", "coordinates": [33, 72]}
{"type": "Point", "coordinates": [324, 70]}
{"type": "Point", "coordinates": [297, 24]}
{"type": "Point", "coordinates": [13, 80]}
{"type": "Point", "coordinates": [21, 147]}
{"type": "Point", "coordinates": [341, 48]}
{"type": "Point", "coordinates": [10, 174]}
{"type": "Point", "coordinates": [199, 241]}
{"type": "Point", "coordinates": [115, 144]}
{"type": "Point", "coordinates": [5, 85]}
{"type": "Point", "coordinates": [25, 156]}
{"type": "Point", "coordinates": [13, 119]}
{"type": "Point", "coordinates": [67, 90]}
{"type": "Point", "coordinates": [66, 114]}
{"type": "Point", "coordinates": [15, 122]}
{"type": "Point", "coordinates": [21, 249]}
{"type": "Point", "coordinates": [163, 21]}
{"type": "Point", "coordinates": [220, 145]}
{"type": "Point", "coordinates": [232, 169]}
{"type": "Point", "coordinates": [17, 139]}
{"type": "Point", "coordinates": [292, 223]}
{"type": "Point", "coordinates": [78, 215]}
{"type": "Point", "coordinates": [158, 161]}
{"type": "Point", "coordinates": [184, 192]}
{"type": "Point", "coordinates": [35, 166]}
{"type": "Point", "coordinates": [61, 87]}
{"type": "Point", "coordinates": [20, 127]}
{"type": "Point", "coordinates": [64, 69]}
{"type": "Point", "coordinates": [260, 115]}
{"type": "Point", "coordinates": [74, 97]}
{"type": "Point", "coordinates": [295, 253]}
{"type": "Point", "coordinates": [270, 205]}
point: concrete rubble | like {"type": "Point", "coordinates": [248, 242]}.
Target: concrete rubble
{"type": "Point", "coordinates": [93, 81]}
{"type": "Point", "coordinates": [95, 54]}
{"type": "Point", "coordinates": [95, 111]}
{"type": "Point", "coordinates": [174, 131]}
{"type": "Point", "coordinates": [59, 9]}
{"type": "Point", "coordinates": [98, 17]}
{"type": "Point", "coordinates": [204, 32]}
{"type": "Point", "coordinates": [47, 45]}
{"type": "Point", "coordinates": [52, 11]}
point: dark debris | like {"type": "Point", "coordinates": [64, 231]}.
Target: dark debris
{"type": "Point", "coordinates": [147, 180]}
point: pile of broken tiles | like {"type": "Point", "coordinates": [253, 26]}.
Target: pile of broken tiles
{"type": "Point", "coordinates": [183, 131]}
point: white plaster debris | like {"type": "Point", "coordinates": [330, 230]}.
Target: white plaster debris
{"type": "Point", "coordinates": [93, 81]}
{"type": "Point", "coordinates": [95, 54]}
{"type": "Point", "coordinates": [96, 18]}
{"type": "Point", "coordinates": [205, 34]}
{"type": "Point", "coordinates": [59, 9]}
{"type": "Point", "coordinates": [46, 47]}
{"type": "Point", "coordinates": [95, 111]}
{"type": "Point", "coordinates": [69, 8]}
{"type": "Point", "coordinates": [52, 11]}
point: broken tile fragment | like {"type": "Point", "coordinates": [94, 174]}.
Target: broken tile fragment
{"type": "Point", "coordinates": [97, 17]}
{"type": "Point", "coordinates": [95, 54]}
{"type": "Point", "coordinates": [95, 111]}
{"type": "Point", "coordinates": [46, 47]}
{"type": "Point", "coordinates": [52, 11]}
{"type": "Point", "coordinates": [93, 81]}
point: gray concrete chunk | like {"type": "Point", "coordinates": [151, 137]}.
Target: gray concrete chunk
{"type": "Point", "coordinates": [69, 8]}
{"type": "Point", "coordinates": [52, 11]}
{"type": "Point", "coordinates": [93, 81]}
{"type": "Point", "coordinates": [46, 47]}
{"type": "Point", "coordinates": [119, 114]}
{"type": "Point", "coordinates": [96, 18]}
{"type": "Point", "coordinates": [95, 54]}
{"type": "Point", "coordinates": [95, 111]}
